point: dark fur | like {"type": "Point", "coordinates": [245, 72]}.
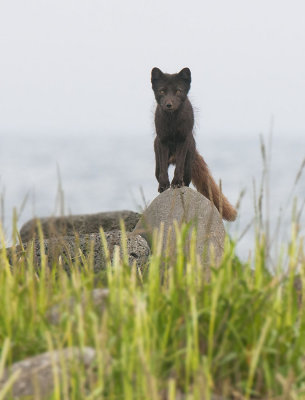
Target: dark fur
{"type": "Point", "coordinates": [175, 143]}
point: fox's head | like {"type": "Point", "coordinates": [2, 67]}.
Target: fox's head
{"type": "Point", "coordinates": [170, 89]}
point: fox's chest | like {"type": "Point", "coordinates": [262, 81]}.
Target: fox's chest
{"type": "Point", "coordinates": [171, 144]}
{"type": "Point", "coordinates": [173, 134]}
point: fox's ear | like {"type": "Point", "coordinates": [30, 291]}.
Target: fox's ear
{"type": "Point", "coordinates": [156, 74]}
{"type": "Point", "coordinates": [185, 74]}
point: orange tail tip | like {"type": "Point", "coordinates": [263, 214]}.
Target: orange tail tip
{"type": "Point", "coordinates": [205, 184]}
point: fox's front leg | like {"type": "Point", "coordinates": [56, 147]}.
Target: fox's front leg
{"type": "Point", "coordinates": [161, 155]}
{"type": "Point", "coordinates": [181, 151]}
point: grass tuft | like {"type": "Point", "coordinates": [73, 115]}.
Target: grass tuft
{"type": "Point", "coordinates": [167, 331]}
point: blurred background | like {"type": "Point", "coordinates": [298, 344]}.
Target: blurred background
{"type": "Point", "coordinates": [76, 105]}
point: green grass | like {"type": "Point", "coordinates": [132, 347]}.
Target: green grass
{"type": "Point", "coordinates": [168, 330]}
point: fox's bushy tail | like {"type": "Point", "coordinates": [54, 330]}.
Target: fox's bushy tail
{"type": "Point", "coordinates": [205, 184]}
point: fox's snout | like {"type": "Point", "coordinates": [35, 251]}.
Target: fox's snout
{"type": "Point", "coordinates": [169, 103]}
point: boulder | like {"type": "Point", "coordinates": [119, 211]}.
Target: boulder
{"type": "Point", "coordinates": [80, 224]}
{"type": "Point", "coordinates": [68, 250]}
{"type": "Point", "coordinates": [185, 205]}
{"type": "Point", "coordinates": [36, 374]}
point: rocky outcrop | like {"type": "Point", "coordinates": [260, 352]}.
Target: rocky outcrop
{"type": "Point", "coordinates": [35, 375]}
{"type": "Point", "coordinates": [189, 206]}
{"type": "Point", "coordinates": [80, 224]}
{"type": "Point", "coordinates": [70, 250]}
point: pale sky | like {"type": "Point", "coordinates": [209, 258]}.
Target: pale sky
{"type": "Point", "coordinates": [76, 66]}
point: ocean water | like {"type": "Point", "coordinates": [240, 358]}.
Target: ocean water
{"type": "Point", "coordinates": [77, 174]}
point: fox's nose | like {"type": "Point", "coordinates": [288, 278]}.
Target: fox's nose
{"type": "Point", "coordinates": [169, 105]}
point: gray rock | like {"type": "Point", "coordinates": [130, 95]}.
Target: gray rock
{"type": "Point", "coordinates": [36, 374]}
{"type": "Point", "coordinates": [189, 206]}
{"type": "Point", "coordinates": [80, 224]}
{"type": "Point", "coordinates": [68, 250]}
{"type": "Point", "coordinates": [98, 296]}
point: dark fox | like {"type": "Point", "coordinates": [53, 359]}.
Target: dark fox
{"type": "Point", "coordinates": [175, 143]}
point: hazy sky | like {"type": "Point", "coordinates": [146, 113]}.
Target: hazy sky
{"type": "Point", "coordinates": [84, 65]}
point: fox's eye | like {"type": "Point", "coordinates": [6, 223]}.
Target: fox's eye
{"type": "Point", "coordinates": [178, 91]}
{"type": "Point", "coordinates": [161, 91]}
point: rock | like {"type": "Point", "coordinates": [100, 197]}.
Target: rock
{"type": "Point", "coordinates": [69, 249]}
{"type": "Point", "coordinates": [36, 374]}
{"type": "Point", "coordinates": [80, 224]}
{"type": "Point", "coordinates": [189, 206]}
{"type": "Point", "coordinates": [98, 296]}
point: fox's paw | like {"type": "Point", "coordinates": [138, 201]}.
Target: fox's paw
{"type": "Point", "coordinates": [177, 183]}
{"type": "Point", "coordinates": [163, 187]}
